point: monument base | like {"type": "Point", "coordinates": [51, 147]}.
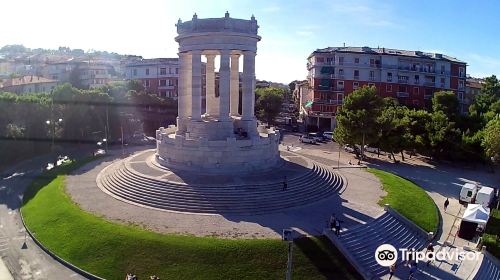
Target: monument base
{"type": "Point", "coordinates": [232, 155]}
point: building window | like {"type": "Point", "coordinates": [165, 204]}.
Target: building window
{"type": "Point", "coordinates": [415, 90]}
{"type": "Point", "coordinates": [170, 82]}
{"type": "Point", "coordinates": [176, 70]}
{"type": "Point", "coordinates": [163, 93]}
{"type": "Point", "coordinates": [340, 85]}
{"type": "Point", "coordinates": [442, 70]}
{"type": "Point", "coordinates": [356, 60]}
{"type": "Point", "coordinates": [146, 83]}
{"type": "Point", "coordinates": [389, 77]}
{"type": "Point", "coordinates": [461, 72]}
{"type": "Point", "coordinates": [461, 84]}
{"type": "Point", "coordinates": [134, 72]}
{"type": "Point", "coordinates": [341, 73]}
{"type": "Point", "coordinates": [147, 71]}
{"type": "Point", "coordinates": [329, 60]}
{"type": "Point", "coordinates": [169, 70]}
{"type": "Point", "coordinates": [372, 75]}
{"type": "Point", "coordinates": [356, 74]}
{"type": "Point", "coordinates": [372, 62]}
{"type": "Point", "coordinates": [341, 60]}
{"type": "Point", "coordinates": [388, 88]}
{"type": "Point", "coordinates": [163, 71]}
{"type": "Point", "coordinates": [442, 82]}
{"type": "Point", "coordinates": [355, 85]}
{"type": "Point", "coordinates": [417, 79]}
{"type": "Point", "coordinates": [163, 83]}
{"type": "Point", "coordinates": [320, 59]}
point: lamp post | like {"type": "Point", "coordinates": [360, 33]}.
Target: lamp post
{"type": "Point", "coordinates": [287, 236]}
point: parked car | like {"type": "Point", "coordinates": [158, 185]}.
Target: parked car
{"type": "Point", "coordinates": [317, 137]}
{"type": "Point", "coordinates": [307, 139]}
{"type": "Point", "coordinates": [371, 149]}
{"type": "Point", "coordinates": [328, 135]}
{"type": "Point", "coordinates": [348, 149]}
{"type": "Point", "coordinates": [468, 193]}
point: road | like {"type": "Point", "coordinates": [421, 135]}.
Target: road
{"type": "Point", "coordinates": [22, 257]}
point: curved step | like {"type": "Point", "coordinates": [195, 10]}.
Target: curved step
{"type": "Point", "coordinates": [129, 185]}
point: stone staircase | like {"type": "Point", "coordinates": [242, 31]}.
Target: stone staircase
{"type": "Point", "coordinates": [489, 269]}
{"type": "Point", "coordinates": [126, 184]}
{"type": "Point", "coordinates": [359, 243]}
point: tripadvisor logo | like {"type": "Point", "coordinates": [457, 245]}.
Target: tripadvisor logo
{"type": "Point", "coordinates": [386, 255]}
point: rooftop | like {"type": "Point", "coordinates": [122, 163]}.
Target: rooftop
{"type": "Point", "coordinates": [25, 80]}
{"type": "Point", "coordinates": [225, 24]}
{"type": "Point", "coordinates": [154, 61]}
{"type": "Point", "coordinates": [387, 51]}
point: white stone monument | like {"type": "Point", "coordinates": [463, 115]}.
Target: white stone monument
{"type": "Point", "coordinates": [220, 140]}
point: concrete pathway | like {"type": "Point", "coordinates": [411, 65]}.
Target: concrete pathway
{"type": "Point", "coordinates": [357, 204]}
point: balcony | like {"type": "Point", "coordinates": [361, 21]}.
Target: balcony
{"type": "Point", "coordinates": [429, 83]}
{"type": "Point", "coordinates": [402, 81]}
{"type": "Point", "coordinates": [356, 77]}
{"type": "Point", "coordinates": [402, 94]}
{"type": "Point", "coordinates": [371, 78]}
{"type": "Point", "coordinates": [338, 88]}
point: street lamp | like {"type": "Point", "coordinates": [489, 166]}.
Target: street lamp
{"type": "Point", "coordinates": [288, 237]}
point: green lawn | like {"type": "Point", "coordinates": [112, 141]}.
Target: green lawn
{"type": "Point", "coordinates": [110, 250]}
{"type": "Point", "coordinates": [409, 200]}
{"type": "Point", "coordinates": [491, 232]}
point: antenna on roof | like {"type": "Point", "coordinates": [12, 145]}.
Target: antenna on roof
{"type": "Point", "coordinates": [344, 44]}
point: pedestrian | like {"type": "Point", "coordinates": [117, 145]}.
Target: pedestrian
{"type": "Point", "coordinates": [337, 227]}
{"type": "Point", "coordinates": [350, 162]}
{"type": "Point", "coordinates": [413, 270]}
{"type": "Point", "coordinates": [285, 184]}
{"type": "Point", "coordinates": [446, 203]}
{"type": "Point", "coordinates": [332, 222]}
{"type": "Point", "coordinates": [392, 270]}
{"type": "Point", "coordinates": [430, 249]}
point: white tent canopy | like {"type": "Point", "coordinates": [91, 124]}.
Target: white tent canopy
{"type": "Point", "coordinates": [476, 213]}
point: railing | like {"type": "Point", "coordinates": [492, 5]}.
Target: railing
{"type": "Point", "coordinates": [356, 77]}
{"type": "Point", "coordinates": [429, 83]}
{"type": "Point", "coordinates": [402, 81]}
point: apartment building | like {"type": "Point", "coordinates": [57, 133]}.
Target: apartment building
{"type": "Point", "coordinates": [472, 89]}
{"type": "Point", "coordinates": [28, 84]}
{"type": "Point", "coordinates": [411, 77]}
{"type": "Point", "coordinates": [93, 74]}
{"type": "Point", "coordinates": [158, 76]}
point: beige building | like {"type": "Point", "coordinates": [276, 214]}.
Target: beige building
{"type": "Point", "coordinates": [28, 84]}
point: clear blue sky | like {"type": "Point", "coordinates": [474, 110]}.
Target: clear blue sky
{"type": "Point", "coordinates": [290, 30]}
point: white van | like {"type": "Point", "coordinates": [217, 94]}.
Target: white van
{"type": "Point", "coordinates": [468, 192]}
{"type": "Point", "coordinates": [485, 196]}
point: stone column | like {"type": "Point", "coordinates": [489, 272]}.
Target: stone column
{"type": "Point", "coordinates": [196, 86]}
{"type": "Point", "coordinates": [235, 84]}
{"type": "Point", "coordinates": [248, 98]}
{"type": "Point", "coordinates": [212, 105]}
{"type": "Point", "coordinates": [184, 92]}
{"type": "Point", "coordinates": [224, 81]}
